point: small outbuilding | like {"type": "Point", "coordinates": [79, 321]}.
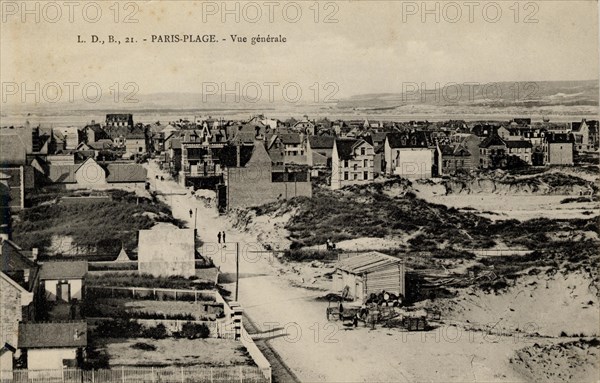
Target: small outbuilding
{"type": "Point", "coordinates": [53, 345]}
{"type": "Point", "coordinates": [370, 273]}
{"type": "Point", "coordinates": [167, 251]}
{"type": "Point", "coordinates": [63, 281]}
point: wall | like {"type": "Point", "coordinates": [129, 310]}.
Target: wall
{"type": "Point", "coordinates": [90, 174]}
{"type": "Point", "coordinates": [252, 184]}
{"type": "Point", "coordinates": [390, 279]}
{"type": "Point", "coordinates": [10, 312]}
{"type": "Point", "coordinates": [339, 170]}
{"type": "Point", "coordinates": [167, 252]}
{"type": "Point", "coordinates": [560, 154]}
{"type": "Point", "coordinates": [45, 359]}
{"type": "Point", "coordinates": [50, 287]}
{"type": "Point", "coordinates": [6, 361]}
{"type": "Point", "coordinates": [133, 145]}
{"type": "Point", "coordinates": [412, 163]}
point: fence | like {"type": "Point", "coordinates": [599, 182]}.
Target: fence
{"type": "Point", "coordinates": [264, 367]}
{"type": "Point", "coordinates": [156, 293]}
{"type": "Point", "coordinates": [242, 374]}
{"type": "Point", "coordinates": [499, 252]}
{"type": "Point", "coordinates": [258, 357]}
{"type": "Point", "coordinates": [219, 328]}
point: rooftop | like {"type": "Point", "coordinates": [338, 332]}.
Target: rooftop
{"type": "Point", "coordinates": [63, 270]}
{"type": "Point", "coordinates": [366, 262]}
{"type": "Point", "coordinates": [51, 335]}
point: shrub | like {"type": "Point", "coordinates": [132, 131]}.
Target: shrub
{"type": "Point", "coordinates": [194, 331]}
{"type": "Point", "coordinates": [143, 346]}
{"type": "Point", "coordinates": [157, 332]}
{"type": "Point", "coordinates": [119, 328]}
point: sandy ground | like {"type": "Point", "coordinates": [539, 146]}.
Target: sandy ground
{"type": "Point", "coordinates": [575, 361]}
{"type": "Point", "coordinates": [318, 350]}
{"type": "Point", "coordinates": [213, 352]}
{"type": "Point", "coordinates": [555, 305]}
{"type": "Point", "coordinates": [521, 207]}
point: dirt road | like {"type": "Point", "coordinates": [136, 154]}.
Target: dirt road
{"type": "Point", "coordinates": [317, 350]}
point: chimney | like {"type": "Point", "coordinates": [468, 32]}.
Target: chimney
{"type": "Point", "coordinates": [34, 254]}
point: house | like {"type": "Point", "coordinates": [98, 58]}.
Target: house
{"type": "Point", "coordinates": [484, 130]}
{"type": "Point", "coordinates": [26, 134]}
{"type": "Point", "coordinates": [455, 158]}
{"type": "Point", "coordinates": [520, 148]}
{"type": "Point", "coordinates": [119, 120]}
{"type": "Point", "coordinates": [61, 158]}
{"type": "Point", "coordinates": [305, 127]}
{"type": "Point", "coordinates": [319, 150]}
{"type": "Point", "coordinates": [352, 163]}
{"type": "Point", "coordinates": [91, 175]}
{"type": "Point", "coordinates": [558, 149]}
{"type": "Point", "coordinates": [408, 155]}
{"type": "Point", "coordinates": [248, 132]}
{"type": "Point", "coordinates": [286, 148]}
{"type": "Point", "coordinates": [72, 136]}
{"type": "Point", "coordinates": [492, 152]}
{"type": "Point", "coordinates": [13, 182]}
{"type": "Point", "coordinates": [93, 132]}
{"type": "Point", "coordinates": [53, 346]}
{"type": "Point", "coordinates": [167, 251]}
{"type": "Point", "coordinates": [251, 179]}
{"type": "Point", "coordinates": [370, 273]}
{"type": "Point", "coordinates": [41, 141]}
{"type": "Point", "coordinates": [13, 151]}
{"type": "Point", "coordinates": [19, 279]}
{"type": "Point", "coordinates": [135, 141]}
{"type": "Point", "coordinates": [585, 135]}
{"type": "Point", "coordinates": [63, 281]}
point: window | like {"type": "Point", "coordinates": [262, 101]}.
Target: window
{"type": "Point", "coordinates": [366, 163]}
{"type": "Point", "coordinates": [362, 151]}
{"type": "Point", "coordinates": [355, 167]}
{"type": "Point", "coordinates": [366, 175]}
{"type": "Point", "coordinates": [346, 163]}
{"type": "Point", "coordinates": [355, 176]}
{"type": "Point", "coordinates": [346, 175]}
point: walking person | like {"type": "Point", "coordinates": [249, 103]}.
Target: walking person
{"type": "Point", "coordinates": [223, 236]}
{"type": "Point", "coordinates": [219, 237]}
{"type": "Point", "coordinates": [191, 213]}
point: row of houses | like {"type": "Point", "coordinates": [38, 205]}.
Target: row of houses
{"type": "Point", "coordinates": [67, 158]}
{"type": "Point", "coordinates": [414, 155]}
{"type": "Point", "coordinates": [27, 288]}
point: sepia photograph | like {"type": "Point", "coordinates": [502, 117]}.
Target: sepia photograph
{"type": "Point", "coordinates": [296, 191]}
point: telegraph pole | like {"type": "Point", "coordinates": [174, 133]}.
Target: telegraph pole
{"type": "Point", "coordinates": [237, 270]}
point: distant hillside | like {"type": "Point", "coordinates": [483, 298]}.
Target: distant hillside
{"type": "Point", "coordinates": [512, 98]}
{"type": "Point", "coordinates": [495, 95]}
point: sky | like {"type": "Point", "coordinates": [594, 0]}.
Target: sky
{"type": "Point", "coordinates": [370, 47]}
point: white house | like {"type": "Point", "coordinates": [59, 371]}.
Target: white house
{"type": "Point", "coordinates": [52, 346]}
{"type": "Point", "coordinates": [352, 163]}
{"type": "Point", "coordinates": [63, 281]}
{"type": "Point", "coordinates": [408, 155]}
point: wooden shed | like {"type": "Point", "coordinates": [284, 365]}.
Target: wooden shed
{"type": "Point", "coordinates": [371, 272]}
